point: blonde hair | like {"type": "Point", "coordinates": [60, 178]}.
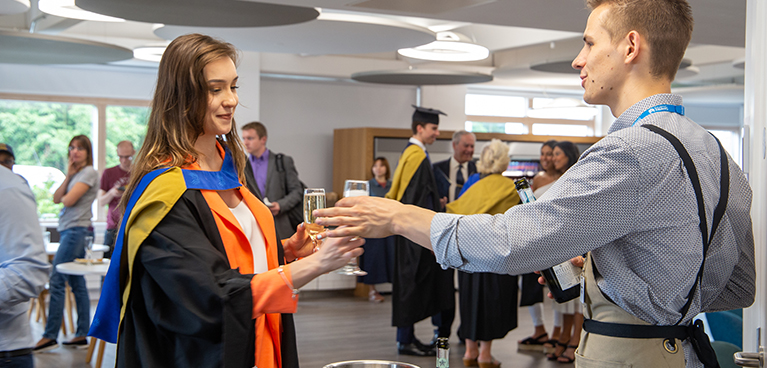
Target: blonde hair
{"type": "Point", "coordinates": [178, 109]}
{"type": "Point", "coordinates": [665, 24]}
{"type": "Point", "coordinates": [494, 158]}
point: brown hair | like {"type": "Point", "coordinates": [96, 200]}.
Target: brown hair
{"type": "Point", "coordinates": [258, 127]}
{"type": "Point", "coordinates": [85, 142]}
{"type": "Point", "coordinates": [385, 162]}
{"type": "Point", "coordinates": [178, 109]}
{"type": "Point", "coordinates": [665, 24]}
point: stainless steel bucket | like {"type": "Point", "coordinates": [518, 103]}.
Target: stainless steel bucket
{"type": "Point", "coordinates": [370, 364]}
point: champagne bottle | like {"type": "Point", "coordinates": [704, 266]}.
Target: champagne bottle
{"type": "Point", "coordinates": [563, 279]}
{"type": "Point", "coordinates": [443, 353]}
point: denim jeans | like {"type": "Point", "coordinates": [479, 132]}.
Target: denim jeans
{"type": "Point", "coordinates": [71, 246]}
{"type": "Point", "coordinates": [22, 361]}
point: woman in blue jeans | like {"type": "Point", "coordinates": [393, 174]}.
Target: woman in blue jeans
{"type": "Point", "coordinates": [77, 193]}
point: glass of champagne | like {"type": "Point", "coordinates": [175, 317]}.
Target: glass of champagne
{"type": "Point", "coordinates": [314, 199]}
{"type": "Point", "coordinates": [354, 188]}
{"type": "Point", "coordinates": [88, 250]}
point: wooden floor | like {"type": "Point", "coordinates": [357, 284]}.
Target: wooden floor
{"type": "Point", "coordinates": [336, 326]}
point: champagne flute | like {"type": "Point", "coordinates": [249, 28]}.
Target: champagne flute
{"type": "Point", "coordinates": [314, 199]}
{"type": "Point", "coordinates": [354, 188]}
{"type": "Point", "coordinates": [88, 250]}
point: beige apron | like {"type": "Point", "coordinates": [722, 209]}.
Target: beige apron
{"type": "Point", "coordinates": [599, 351]}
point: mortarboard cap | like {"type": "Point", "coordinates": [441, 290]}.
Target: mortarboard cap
{"type": "Point", "coordinates": [426, 115]}
{"type": "Point", "coordinates": [6, 148]}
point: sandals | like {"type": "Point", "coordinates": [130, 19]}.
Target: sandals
{"type": "Point", "coordinates": [375, 297]}
{"type": "Point", "coordinates": [470, 362]}
{"type": "Point", "coordinates": [533, 343]}
{"type": "Point", "coordinates": [491, 364]}
{"type": "Point", "coordinates": [564, 359]}
{"type": "Point", "coordinates": [554, 355]}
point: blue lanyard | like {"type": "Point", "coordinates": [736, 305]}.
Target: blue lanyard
{"type": "Point", "coordinates": [679, 109]}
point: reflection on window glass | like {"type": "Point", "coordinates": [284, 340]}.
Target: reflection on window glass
{"type": "Point", "coordinates": [489, 105]}
{"type": "Point", "coordinates": [506, 128]}
{"type": "Point", "coordinates": [570, 130]}
{"type": "Point", "coordinates": [39, 133]}
{"type": "Point", "coordinates": [730, 141]}
{"type": "Point", "coordinates": [124, 123]}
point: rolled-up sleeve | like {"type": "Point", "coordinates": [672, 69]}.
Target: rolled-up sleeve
{"type": "Point", "coordinates": [443, 240]}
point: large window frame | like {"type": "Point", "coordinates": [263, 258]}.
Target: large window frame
{"type": "Point", "coordinates": [98, 131]}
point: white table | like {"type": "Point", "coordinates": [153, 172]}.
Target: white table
{"type": "Point", "coordinates": [82, 269]}
{"type": "Point", "coordinates": [52, 248]}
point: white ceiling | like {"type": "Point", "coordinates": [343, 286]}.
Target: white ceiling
{"type": "Point", "coordinates": [519, 33]}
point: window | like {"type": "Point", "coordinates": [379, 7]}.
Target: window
{"type": "Point", "coordinates": [563, 116]}
{"type": "Point", "coordinates": [39, 129]}
{"type": "Point", "coordinates": [730, 141]}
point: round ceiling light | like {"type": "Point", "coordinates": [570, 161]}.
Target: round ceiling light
{"type": "Point", "coordinates": [449, 46]}
{"type": "Point", "coordinates": [149, 53]}
{"type": "Point", "coordinates": [68, 9]}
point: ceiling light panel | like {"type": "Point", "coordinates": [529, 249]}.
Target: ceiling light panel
{"type": "Point", "coordinates": [68, 9]}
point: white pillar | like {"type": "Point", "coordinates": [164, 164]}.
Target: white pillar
{"type": "Point", "coordinates": [755, 152]}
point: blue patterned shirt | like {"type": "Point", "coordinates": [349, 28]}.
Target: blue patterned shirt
{"type": "Point", "coordinates": [630, 202]}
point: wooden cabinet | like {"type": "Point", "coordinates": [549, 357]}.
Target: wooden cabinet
{"type": "Point", "coordinates": [354, 149]}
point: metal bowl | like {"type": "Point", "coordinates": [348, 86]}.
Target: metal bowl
{"type": "Point", "coordinates": [370, 364]}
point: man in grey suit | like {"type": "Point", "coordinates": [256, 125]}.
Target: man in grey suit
{"type": "Point", "coordinates": [271, 176]}
{"type": "Point", "coordinates": [453, 172]}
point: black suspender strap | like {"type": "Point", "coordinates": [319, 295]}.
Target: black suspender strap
{"type": "Point", "coordinates": [720, 207]}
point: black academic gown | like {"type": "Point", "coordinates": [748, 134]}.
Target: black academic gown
{"type": "Point", "coordinates": [421, 288]}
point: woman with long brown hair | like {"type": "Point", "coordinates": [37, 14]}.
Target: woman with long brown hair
{"type": "Point", "coordinates": [198, 277]}
{"type": "Point", "coordinates": [77, 192]}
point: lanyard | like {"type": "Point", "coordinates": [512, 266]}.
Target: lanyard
{"type": "Point", "coordinates": [679, 109]}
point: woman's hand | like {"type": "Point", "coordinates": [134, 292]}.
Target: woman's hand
{"type": "Point", "coordinates": [299, 245]}
{"type": "Point", "coordinates": [334, 253]}
{"type": "Point", "coordinates": [73, 167]}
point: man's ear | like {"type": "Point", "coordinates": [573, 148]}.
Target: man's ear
{"type": "Point", "coordinates": [633, 43]}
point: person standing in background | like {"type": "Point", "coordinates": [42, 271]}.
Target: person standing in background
{"type": "Point", "coordinates": [111, 189]}
{"type": "Point", "coordinates": [451, 174]}
{"type": "Point", "coordinates": [532, 291]}
{"type": "Point", "coordinates": [77, 193]}
{"type": "Point", "coordinates": [421, 288]}
{"type": "Point", "coordinates": [378, 259]}
{"type": "Point", "coordinates": [273, 175]}
{"type": "Point", "coordinates": [24, 269]}
{"type": "Point", "coordinates": [488, 301]}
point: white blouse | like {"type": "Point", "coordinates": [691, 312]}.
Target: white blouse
{"type": "Point", "coordinates": [253, 233]}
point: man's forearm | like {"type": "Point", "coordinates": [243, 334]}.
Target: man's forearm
{"type": "Point", "coordinates": [414, 223]}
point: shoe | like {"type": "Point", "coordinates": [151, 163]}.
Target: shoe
{"type": "Point", "coordinates": [375, 297]}
{"type": "Point", "coordinates": [412, 349]}
{"type": "Point", "coordinates": [50, 345]}
{"type": "Point", "coordinates": [82, 343]}
{"type": "Point", "coordinates": [431, 346]}
{"type": "Point", "coordinates": [491, 364]}
{"type": "Point", "coordinates": [564, 359]}
{"type": "Point", "coordinates": [470, 362]}
{"type": "Point", "coordinates": [555, 355]}
{"type": "Point", "coordinates": [549, 346]}
{"type": "Point", "coordinates": [533, 343]}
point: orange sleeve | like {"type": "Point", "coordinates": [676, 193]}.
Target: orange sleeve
{"type": "Point", "coordinates": [271, 294]}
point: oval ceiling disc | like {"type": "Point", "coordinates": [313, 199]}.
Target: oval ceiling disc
{"type": "Point", "coordinates": [202, 13]}
{"type": "Point", "coordinates": [421, 77]}
{"type": "Point", "coordinates": [35, 48]}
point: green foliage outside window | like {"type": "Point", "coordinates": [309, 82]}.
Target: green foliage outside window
{"type": "Point", "coordinates": [124, 123]}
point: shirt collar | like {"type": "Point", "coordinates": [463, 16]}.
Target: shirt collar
{"type": "Point", "coordinates": [417, 143]}
{"type": "Point", "coordinates": [454, 163]}
{"type": "Point", "coordinates": [264, 156]}
{"type": "Point", "coordinates": [632, 113]}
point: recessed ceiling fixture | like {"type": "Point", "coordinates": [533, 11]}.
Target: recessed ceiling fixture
{"type": "Point", "coordinates": [149, 53]}
{"type": "Point", "coordinates": [68, 9]}
{"type": "Point", "coordinates": [449, 46]}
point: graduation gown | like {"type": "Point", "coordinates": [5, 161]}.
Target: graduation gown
{"type": "Point", "coordinates": [488, 301]}
{"type": "Point", "coordinates": [180, 290]}
{"type": "Point", "coordinates": [420, 287]}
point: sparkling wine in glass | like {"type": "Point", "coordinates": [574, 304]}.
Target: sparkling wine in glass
{"type": "Point", "coordinates": [314, 199]}
{"type": "Point", "coordinates": [354, 188]}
